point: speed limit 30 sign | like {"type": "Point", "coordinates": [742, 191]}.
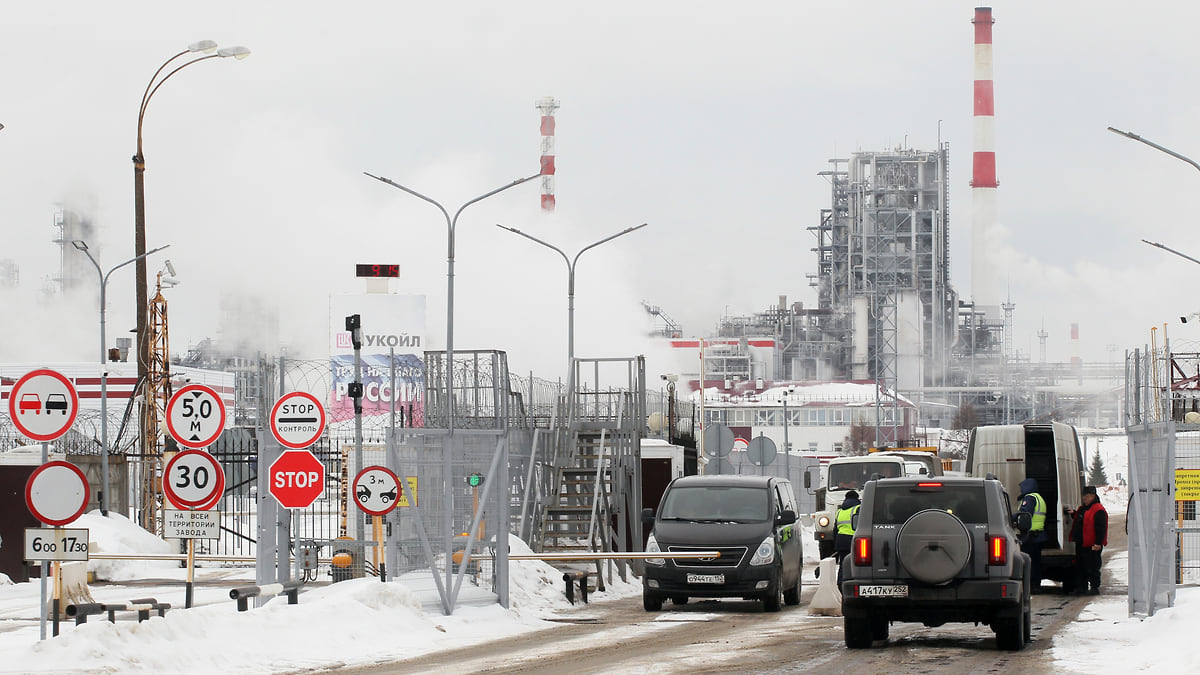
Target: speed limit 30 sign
{"type": "Point", "coordinates": [193, 479]}
{"type": "Point", "coordinates": [195, 416]}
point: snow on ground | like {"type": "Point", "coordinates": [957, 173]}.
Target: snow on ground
{"type": "Point", "coordinates": [365, 621]}
{"type": "Point", "coordinates": [360, 621]}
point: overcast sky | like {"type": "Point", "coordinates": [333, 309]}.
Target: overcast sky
{"type": "Point", "coordinates": [709, 121]}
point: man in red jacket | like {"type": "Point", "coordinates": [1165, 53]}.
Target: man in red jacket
{"type": "Point", "coordinates": [1089, 531]}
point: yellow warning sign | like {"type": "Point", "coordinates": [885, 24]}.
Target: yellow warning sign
{"type": "Point", "coordinates": [412, 485]}
{"type": "Point", "coordinates": [1187, 485]}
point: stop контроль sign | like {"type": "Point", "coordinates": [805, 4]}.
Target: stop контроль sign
{"type": "Point", "coordinates": [296, 478]}
{"type": "Point", "coordinates": [297, 420]}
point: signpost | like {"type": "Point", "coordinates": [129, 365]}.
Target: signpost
{"type": "Point", "coordinates": [43, 405]}
{"type": "Point", "coordinates": [193, 481]}
{"type": "Point", "coordinates": [375, 491]}
{"type": "Point", "coordinates": [297, 420]}
{"type": "Point", "coordinates": [195, 416]}
{"type": "Point", "coordinates": [297, 478]}
{"type": "Point", "coordinates": [718, 442]}
{"type": "Point", "coordinates": [56, 494]}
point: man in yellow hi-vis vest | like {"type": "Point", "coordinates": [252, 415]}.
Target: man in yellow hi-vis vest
{"type": "Point", "coordinates": [1033, 540]}
{"type": "Point", "coordinates": [844, 524]}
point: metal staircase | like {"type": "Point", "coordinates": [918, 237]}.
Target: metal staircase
{"type": "Point", "coordinates": [569, 520]}
{"type": "Point", "coordinates": [594, 503]}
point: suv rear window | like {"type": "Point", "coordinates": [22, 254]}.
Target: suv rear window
{"type": "Point", "coordinates": [716, 504]}
{"type": "Point", "coordinates": [853, 475]}
{"type": "Point", "coordinates": [895, 504]}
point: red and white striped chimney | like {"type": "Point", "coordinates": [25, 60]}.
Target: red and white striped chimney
{"type": "Point", "coordinates": [547, 106]}
{"type": "Point", "coordinates": [985, 280]}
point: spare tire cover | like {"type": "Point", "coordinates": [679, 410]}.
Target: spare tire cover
{"type": "Point", "coordinates": [933, 546]}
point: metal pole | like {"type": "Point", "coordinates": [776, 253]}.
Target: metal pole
{"type": "Point", "coordinates": [139, 200]}
{"type": "Point", "coordinates": [571, 290]}
{"type": "Point", "coordinates": [45, 563]}
{"type": "Point", "coordinates": [79, 244]}
{"type": "Point", "coordinates": [787, 446]}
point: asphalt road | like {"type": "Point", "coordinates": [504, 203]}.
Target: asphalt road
{"type": "Point", "coordinates": [737, 636]}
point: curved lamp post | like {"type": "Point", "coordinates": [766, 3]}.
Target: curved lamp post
{"type": "Point", "coordinates": [209, 48]}
{"type": "Point", "coordinates": [570, 291]}
{"type": "Point", "coordinates": [102, 497]}
{"type": "Point", "coordinates": [451, 225]}
{"type": "Point", "coordinates": [1176, 155]}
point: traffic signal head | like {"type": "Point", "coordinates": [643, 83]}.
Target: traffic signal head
{"type": "Point", "coordinates": [475, 479]}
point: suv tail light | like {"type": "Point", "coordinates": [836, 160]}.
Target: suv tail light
{"type": "Point", "coordinates": [862, 551]}
{"type": "Point", "coordinates": [997, 550]}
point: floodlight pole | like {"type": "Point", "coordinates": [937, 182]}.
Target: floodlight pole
{"type": "Point", "coordinates": [102, 496]}
{"type": "Point", "coordinates": [1176, 155]}
{"type": "Point", "coordinates": [451, 225]}
{"type": "Point", "coordinates": [571, 291]}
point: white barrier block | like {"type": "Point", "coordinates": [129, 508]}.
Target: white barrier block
{"type": "Point", "coordinates": [827, 601]}
{"type": "Point", "coordinates": [75, 590]}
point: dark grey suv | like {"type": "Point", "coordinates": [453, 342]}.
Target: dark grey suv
{"type": "Point", "coordinates": [936, 551]}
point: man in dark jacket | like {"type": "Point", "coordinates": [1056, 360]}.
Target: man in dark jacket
{"type": "Point", "coordinates": [1089, 531]}
{"type": "Point", "coordinates": [1033, 540]}
{"type": "Point", "coordinates": [844, 526]}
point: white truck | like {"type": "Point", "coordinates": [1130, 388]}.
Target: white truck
{"type": "Point", "coordinates": [843, 474]}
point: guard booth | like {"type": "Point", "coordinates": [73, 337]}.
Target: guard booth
{"type": "Point", "coordinates": [662, 462]}
{"type": "Point", "coordinates": [16, 466]}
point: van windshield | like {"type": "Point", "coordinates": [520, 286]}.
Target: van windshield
{"type": "Point", "coordinates": [853, 475]}
{"type": "Point", "coordinates": [715, 504]}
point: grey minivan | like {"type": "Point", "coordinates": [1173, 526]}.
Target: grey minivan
{"type": "Point", "coordinates": [748, 520]}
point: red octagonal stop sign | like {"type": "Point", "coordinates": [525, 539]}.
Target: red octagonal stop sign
{"type": "Point", "coordinates": [297, 479]}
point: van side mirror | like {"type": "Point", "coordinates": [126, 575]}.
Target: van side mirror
{"type": "Point", "coordinates": [854, 520]}
{"type": "Point", "coordinates": [807, 480]}
{"type": "Point", "coordinates": [647, 516]}
{"type": "Point", "coordinates": [786, 518]}
{"type": "Point", "coordinates": [1023, 521]}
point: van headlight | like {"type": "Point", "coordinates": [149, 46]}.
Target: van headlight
{"type": "Point", "coordinates": [823, 520]}
{"type": "Point", "coordinates": [652, 547]}
{"type": "Point", "coordinates": [765, 555]}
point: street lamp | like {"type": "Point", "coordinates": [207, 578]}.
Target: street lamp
{"type": "Point", "coordinates": [451, 225]}
{"type": "Point", "coordinates": [570, 290]}
{"type": "Point", "coordinates": [209, 48]}
{"type": "Point", "coordinates": [102, 495]}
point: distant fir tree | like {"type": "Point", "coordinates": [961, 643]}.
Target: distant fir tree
{"type": "Point", "coordinates": [965, 418]}
{"type": "Point", "coordinates": [1096, 475]}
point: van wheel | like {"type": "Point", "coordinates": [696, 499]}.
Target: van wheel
{"type": "Point", "coordinates": [792, 595]}
{"type": "Point", "coordinates": [652, 602]}
{"type": "Point", "coordinates": [773, 600]}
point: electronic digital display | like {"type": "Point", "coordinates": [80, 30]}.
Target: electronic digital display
{"type": "Point", "coordinates": [376, 270]}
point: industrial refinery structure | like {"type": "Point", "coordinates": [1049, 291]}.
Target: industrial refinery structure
{"type": "Point", "coordinates": [886, 311]}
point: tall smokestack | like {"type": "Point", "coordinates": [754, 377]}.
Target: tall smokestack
{"type": "Point", "coordinates": [547, 106]}
{"type": "Point", "coordinates": [985, 282]}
